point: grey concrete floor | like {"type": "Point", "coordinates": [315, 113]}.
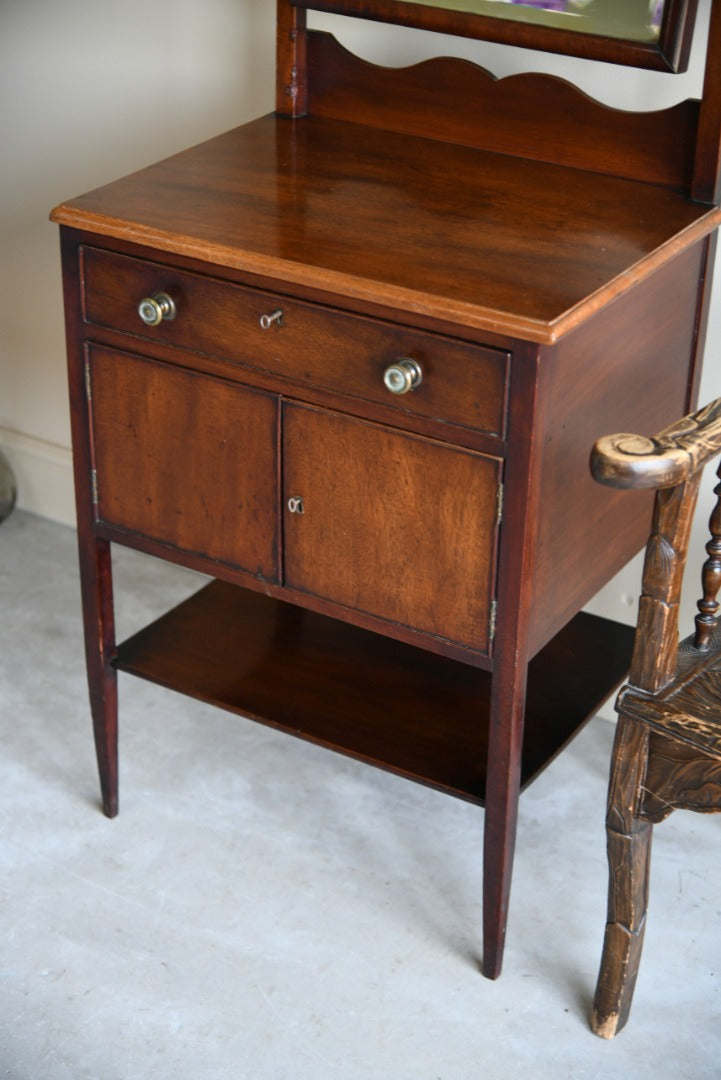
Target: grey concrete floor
{"type": "Point", "coordinates": [265, 909]}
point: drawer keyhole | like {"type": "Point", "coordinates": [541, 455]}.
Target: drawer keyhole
{"type": "Point", "coordinates": [266, 321]}
{"type": "Point", "coordinates": [295, 504]}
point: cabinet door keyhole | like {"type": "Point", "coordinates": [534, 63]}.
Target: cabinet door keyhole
{"type": "Point", "coordinates": [295, 504]}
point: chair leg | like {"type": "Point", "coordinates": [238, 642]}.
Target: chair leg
{"type": "Point", "coordinates": [629, 855]}
{"type": "Point", "coordinates": [628, 860]}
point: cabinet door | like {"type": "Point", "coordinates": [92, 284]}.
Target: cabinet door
{"type": "Point", "coordinates": [185, 459]}
{"type": "Point", "coordinates": [395, 525]}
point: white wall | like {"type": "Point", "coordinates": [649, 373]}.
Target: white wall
{"type": "Point", "coordinates": [92, 89]}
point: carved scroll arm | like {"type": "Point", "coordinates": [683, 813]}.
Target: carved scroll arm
{"type": "Point", "coordinates": [671, 462]}
{"type": "Point", "coordinates": [663, 461]}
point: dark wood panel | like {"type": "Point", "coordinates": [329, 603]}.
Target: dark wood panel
{"type": "Point", "coordinates": [564, 127]}
{"type": "Point", "coordinates": [185, 459]}
{"type": "Point", "coordinates": [406, 710]}
{"type": "Point", "coordinates": [630, 369]}
{"type": "Point", "coordinates": [395, 525]}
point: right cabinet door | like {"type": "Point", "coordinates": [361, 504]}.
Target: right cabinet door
{"type": "Point", "coordinates": [392, 524]}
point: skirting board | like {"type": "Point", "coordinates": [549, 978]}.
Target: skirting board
{"type": "Point", "coordinates": [44, 475]}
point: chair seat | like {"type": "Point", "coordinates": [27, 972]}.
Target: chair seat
{"type": "Point", "coordinates": [689, 710]}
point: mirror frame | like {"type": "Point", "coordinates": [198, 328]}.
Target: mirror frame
{"type": "Point", "coordinates": [670, 53]}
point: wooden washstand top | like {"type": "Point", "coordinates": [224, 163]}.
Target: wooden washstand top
{"type": "Point", "coordinates": [487, 241]}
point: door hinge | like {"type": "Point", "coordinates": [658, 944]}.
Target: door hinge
{"type": "Point", "coordinates": [492, 620]}
{"type": "Point", "coordinates": [88, 384]}
{"type": "Point", "coordinates": [499, 504]}
{"type": "Point", "coordinates": [94, 485]}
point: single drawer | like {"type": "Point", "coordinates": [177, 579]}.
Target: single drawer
{"type": "Point", "coordinates": [460, 383]}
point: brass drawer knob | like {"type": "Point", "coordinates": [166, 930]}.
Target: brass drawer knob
{"type": "Point", "coordinates": [156, 308]}
{"type": "Point", "coordinates": [403, 376]}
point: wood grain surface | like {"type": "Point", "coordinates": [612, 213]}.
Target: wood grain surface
{"type": "Point", "coordinates": [484, 240]}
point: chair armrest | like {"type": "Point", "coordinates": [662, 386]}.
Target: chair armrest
{"type": "Point", "coordinates": [667, 459]}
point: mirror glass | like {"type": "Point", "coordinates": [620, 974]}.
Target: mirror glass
{"type": "Point", "coordinates": [629, 20]}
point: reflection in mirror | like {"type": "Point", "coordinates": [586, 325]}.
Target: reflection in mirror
{"type": "Point", "coordinates": [630, 20]}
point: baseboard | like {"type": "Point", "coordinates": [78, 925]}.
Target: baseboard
{"type": "Point", "coordinates": [44, 475]}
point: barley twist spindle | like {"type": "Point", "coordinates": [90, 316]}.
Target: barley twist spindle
{"type": "Point", "coordinates": [711, 579]}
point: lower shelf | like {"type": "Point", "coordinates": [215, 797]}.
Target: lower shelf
{"type": "Point", "coordinates": [395, 706]}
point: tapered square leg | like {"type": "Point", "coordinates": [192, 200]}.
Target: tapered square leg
{"type": "Point", "coordinates": [99, 627]}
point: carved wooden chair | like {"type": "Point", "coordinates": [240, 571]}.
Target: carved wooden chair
{"type": "Point", "coordinates": [667, 751]}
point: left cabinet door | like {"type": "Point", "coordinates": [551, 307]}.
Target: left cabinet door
{"type": "Point", "coordinates": [185, 459]}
